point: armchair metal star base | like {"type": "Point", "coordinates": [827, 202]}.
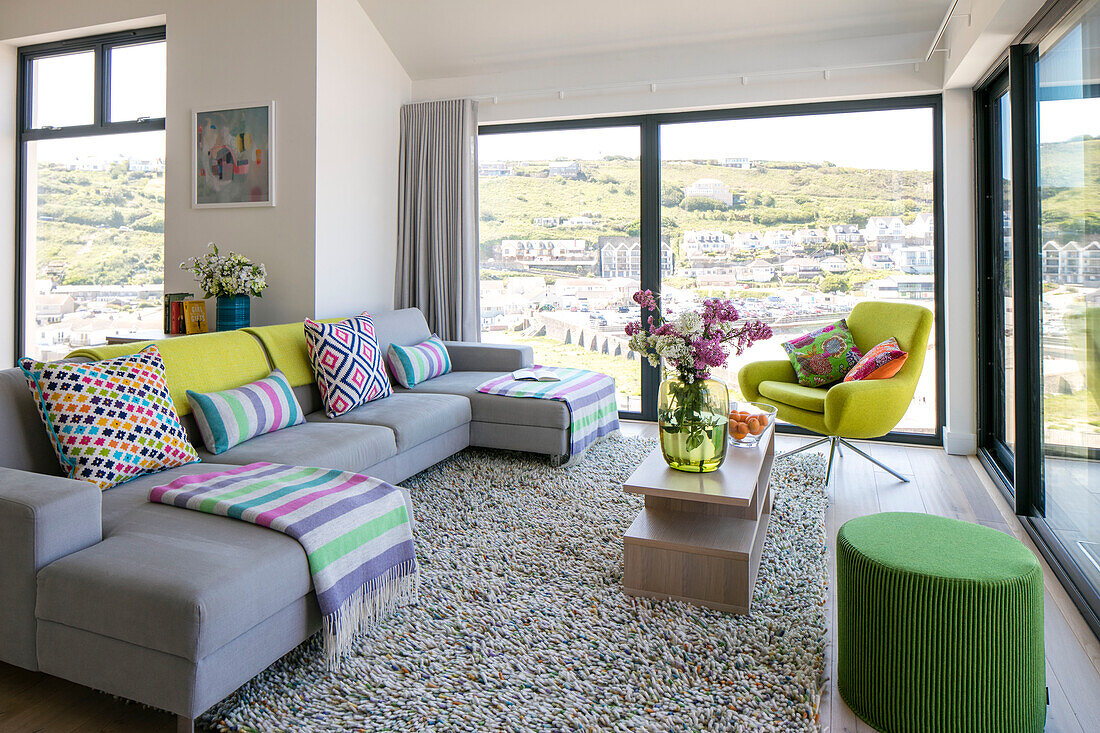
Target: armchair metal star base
{"type": "Point", "coordinates": [835, 442]}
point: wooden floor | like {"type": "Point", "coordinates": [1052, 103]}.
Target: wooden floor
{"type": "Point", "coordinates": [951, 486]}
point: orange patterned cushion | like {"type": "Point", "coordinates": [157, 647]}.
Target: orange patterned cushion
{"type": "Point", "coordinates": [881, 362]}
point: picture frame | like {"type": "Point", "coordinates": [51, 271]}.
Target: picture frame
{"type": "Point", "coordinates": [233, 156]}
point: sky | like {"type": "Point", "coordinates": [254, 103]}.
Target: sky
{"type": "Point", "coordinates": [64, 96]}
{"type": "Point", "coordinates": [890, 139]}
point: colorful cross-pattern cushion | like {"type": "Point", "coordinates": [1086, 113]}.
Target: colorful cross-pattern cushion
{"type": "Point", "coordinates": [823, 356]}
{"type": "Point", "coordinates": [411, 365]}
{"type": "Point", "coordinates": [110, 420]}
{"type": "Point", "coordinates": [880, 362]}
{"type": "Point", "coordinates": [232, 416]}
{"type": "Point", "coordinates": [347, 363]}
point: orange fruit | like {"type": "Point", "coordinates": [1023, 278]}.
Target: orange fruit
{"type": "Point", "coordinates": [740, 430]}
{"type": "Point", "coordinates": [754, 426]}
{"type": "Point", "coordinates": [763, 420]}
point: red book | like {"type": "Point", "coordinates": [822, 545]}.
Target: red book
{"type": "Point", "coordinates": [176, 317]}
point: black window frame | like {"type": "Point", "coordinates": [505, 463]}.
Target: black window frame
{"type": "Point", "coordinates": [988, 231]}
{"type": "Point", "coordinates": [1023, 487]}
{"type": "Point", "coordinates": [650, 230]}
{"type": "Point", "coordinates": [100, 46]}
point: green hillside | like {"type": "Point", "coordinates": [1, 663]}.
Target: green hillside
{"type": "Point", "coordinates": [1070, 193]}
{"type": "Point", "coordinates": [79, 223]}
{"type": "Point", "coordinates": [776, 195]}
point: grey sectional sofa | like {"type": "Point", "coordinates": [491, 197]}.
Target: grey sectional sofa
{"type": "Point", "coordinates": [174, 608]}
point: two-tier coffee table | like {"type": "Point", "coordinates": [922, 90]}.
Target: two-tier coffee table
{"type": "Point", "coordinates": [700, 536]}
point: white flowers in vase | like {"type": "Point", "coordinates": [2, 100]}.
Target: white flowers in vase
{"type": "Point", "coordinates": [230, 274]}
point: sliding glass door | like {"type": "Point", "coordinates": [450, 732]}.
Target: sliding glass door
{"type": "Point", "coordinates": [1068, 156]}
{"type": "Point", "coordinates": [1039, 295]}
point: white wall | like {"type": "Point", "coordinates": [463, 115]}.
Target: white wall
{"type": "Point", "coordinates": [269, 54]}
{"type": "Point", "coordinates": [7, 204]}
{"type": "Point", "coordinates": [959, 278]}
{"type": "Point", "coordinates": [360, 87]}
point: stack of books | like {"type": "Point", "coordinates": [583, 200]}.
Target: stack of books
{"type": "Point", "coordinates": [174, 322]}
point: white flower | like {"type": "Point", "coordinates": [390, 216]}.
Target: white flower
{"type": "Point", "coordinates": [690, 323]}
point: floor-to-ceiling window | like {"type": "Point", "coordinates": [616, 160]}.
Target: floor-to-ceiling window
{"type": "Point", "coordinates": [561, 255]}
{"type": "Point", "coordinates": [796, 213]}
{"type": "Point", "coordinates": [1047, 164]}
{"type": "Point", "coordinates": [799, 217]}
{"type": "Point", "coordinates": [1068, 161]}
{"type": "Point", "coordinates": [91, 220]}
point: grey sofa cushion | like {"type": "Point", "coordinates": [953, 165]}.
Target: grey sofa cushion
{"type": "Point", "coordinates": [172, 579]}
{"type": "Point", "coordinates": [403, 327]}
{"type": "Point", "coordinates": [413, 418]}
{"type": "Point", "coordinates": [346, 447]}
{"type": "Point", "coordinates": [24, 445]}
{"type": "Point", "coordinates": [497, 408]}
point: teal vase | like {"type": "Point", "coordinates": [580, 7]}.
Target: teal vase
{"type": "Point", "coordinates": [233, 312]}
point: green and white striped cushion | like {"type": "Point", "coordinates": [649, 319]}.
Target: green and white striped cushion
{"type": "Point", "coordinates": [231, 417]}
{"type": "Point", "coordinates": [411, 365]}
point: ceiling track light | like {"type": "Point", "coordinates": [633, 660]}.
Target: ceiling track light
{"type": "Point", "coordinates": [744, 81]}
{"type": "Point", "coordinates": [825, 74]}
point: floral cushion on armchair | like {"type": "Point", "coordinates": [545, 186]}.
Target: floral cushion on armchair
{"type": "Point", "coordinates": [823, 356]}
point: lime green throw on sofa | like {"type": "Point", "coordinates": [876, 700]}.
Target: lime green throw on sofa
{"type": "Point", "coordinates": [849, 410]}
{"type": "Point", "coordinates": [939, 626]}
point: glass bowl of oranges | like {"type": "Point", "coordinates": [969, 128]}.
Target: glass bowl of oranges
{"type": "Point", "coordinates": [748, 422]}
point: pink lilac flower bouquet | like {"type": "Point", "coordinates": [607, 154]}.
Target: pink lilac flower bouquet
{"type": "Point", "coordinates": [694, 342]}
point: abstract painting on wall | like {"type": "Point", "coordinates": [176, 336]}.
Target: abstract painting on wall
{"type": "Point", "coordinates": [233, 161]}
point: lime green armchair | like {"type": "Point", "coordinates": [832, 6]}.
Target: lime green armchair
{"type": "Point", "coordinates": [849, 410]}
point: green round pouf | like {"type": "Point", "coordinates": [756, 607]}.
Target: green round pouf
{"type": "Point", "coordinates": [939, 626]}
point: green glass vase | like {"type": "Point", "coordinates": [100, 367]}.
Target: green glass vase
{"type": "Point", "coordinates": [693, 418]}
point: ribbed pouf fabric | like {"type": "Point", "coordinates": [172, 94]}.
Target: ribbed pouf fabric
{"type": "Point", "coordinates": [939, 626]}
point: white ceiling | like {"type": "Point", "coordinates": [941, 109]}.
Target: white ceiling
{"type": "Point", "coordinates": [446, 38]}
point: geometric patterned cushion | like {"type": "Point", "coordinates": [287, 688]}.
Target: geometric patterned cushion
{"type": "Point", "coordinates": [347, 363]}
{"type": "Point", "coordinates": [411, 365]}
{"type": "Point", "coordinates": [823, 356]}
{"type": "Point", "coordinates": [111, 420]}
{"type": "Point", "coordinates": [232, 416]}
{"type": "Point", "coordinates": [881, 362]}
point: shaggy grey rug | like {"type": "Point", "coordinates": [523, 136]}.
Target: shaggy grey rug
{"type": "Point", "coordinates": [522, 624]}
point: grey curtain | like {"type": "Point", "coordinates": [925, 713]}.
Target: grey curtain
{"type": "Point", "coordinates": [437, 253]}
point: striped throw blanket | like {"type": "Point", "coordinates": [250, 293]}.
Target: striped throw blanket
{"type": "Point", "coordinates": [356, 532]}
{"type": "Point", "coordinates": [590, 397]}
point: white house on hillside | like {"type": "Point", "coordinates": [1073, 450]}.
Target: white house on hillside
{"type": "Point", "coordinates": [915, 259]}
{"type": "Point", "coordinates": [878, 260]}
{"type": "Point", "coordinates": [742, 163]}
{"type": "Point", "coordinates": [565, 170]}
{"type": "Point", "coordinates": [834, 265]}
{"type": "Point", "coordinates": [884, 230]}
{"type": "Point", "coordinates": [757, 271]}
{"type": "Point", "coordinates": [848, 233]}
{"type": "Point", "coordinates": [710, 188]}
{"type": "Point", "coordinates": [698, 243]}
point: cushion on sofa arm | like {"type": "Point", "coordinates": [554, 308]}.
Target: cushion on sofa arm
{"type": "Point", "coordinates": [467, 356]}
{"type": "Point", "coordinates": [42, 518]}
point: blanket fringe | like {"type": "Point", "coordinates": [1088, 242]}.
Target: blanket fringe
{"type": "Point", "coordinates": [367, 607]}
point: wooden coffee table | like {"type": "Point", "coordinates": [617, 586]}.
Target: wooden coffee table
{"type": "Point", "coordinates": [700, 536]}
